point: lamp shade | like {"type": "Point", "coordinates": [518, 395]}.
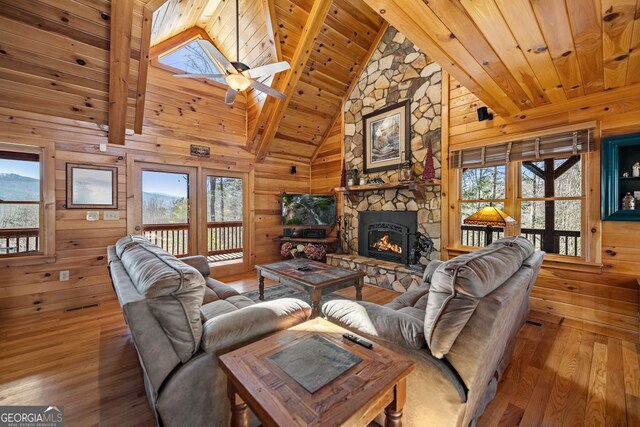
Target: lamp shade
{"type": "Point", "coordinates": [489, 215]}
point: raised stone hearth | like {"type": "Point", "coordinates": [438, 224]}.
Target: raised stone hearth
{"type": "Point", "coordinates": [388, 275]}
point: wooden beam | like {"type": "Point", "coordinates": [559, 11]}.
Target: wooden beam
{"type": "Point", "coordinates": [143, 68]}
{"type": "Point", "coordinates": [269, 10]}
{"type": "Point", "coordinates": [119, 54]}
{"type": "Point", "coordinates": [565, 166]}
{"type": "Point", "coordinates": [416, 20]}
{"type": "Point", "coordinates": [303, 51]}
{"type": "Point", "coordinates": [352, 85]}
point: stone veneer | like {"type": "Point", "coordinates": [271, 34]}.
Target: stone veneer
{"type": "Point", "coordinates": [389, 275]}
{"type": "Point", "coordinates": [398, 70]}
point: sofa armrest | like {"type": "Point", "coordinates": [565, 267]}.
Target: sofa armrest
{"type": "Point", "coordinates": [377, 321]}
{"type": "Point", "coordinates": [248, 324]}
{"type": "Point", "coordinates": [429, 270]}
{"type": "Point", "coordinates": [198, 262]}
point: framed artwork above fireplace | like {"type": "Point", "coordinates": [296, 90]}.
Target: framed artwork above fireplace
{"type": "Point", "coordinates": [387, 137]}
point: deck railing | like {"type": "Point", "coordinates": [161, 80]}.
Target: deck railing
{"type": "Point", "coordinates": [566, 242]}
{"type": "Point", "coordinates": [19, 240]}
{"type": "Point", "coordinates": [173, 238]}
{"type": "Point", "coordinates": [222, 237]}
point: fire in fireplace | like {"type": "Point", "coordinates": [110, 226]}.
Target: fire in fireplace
{"type": "Point", "coordinates": [386, 235]}
{"type": "Point", "coordinates": [383, 244]}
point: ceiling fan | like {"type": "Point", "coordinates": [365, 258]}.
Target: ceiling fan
{"type": "Point", "coordinates": [239, 76]}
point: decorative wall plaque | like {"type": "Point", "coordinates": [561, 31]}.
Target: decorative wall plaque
{"type": "Point", "coordinates": [200, 151]}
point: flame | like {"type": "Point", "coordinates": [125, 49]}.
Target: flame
{"type": "Point", "coordinates": [384, 245]}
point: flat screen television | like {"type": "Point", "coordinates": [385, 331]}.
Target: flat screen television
{"type": "Point", "coordinates": [308, 209]}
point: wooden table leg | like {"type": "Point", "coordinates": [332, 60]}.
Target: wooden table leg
{"type": "Point", "coordinates": [316, 294]}
{"type": "Point", "coordinates": [359, 284]}
{"type": "Point", "coordinates": [261, 285]}
{"type": "Point", "coordinates": [239, 410]}
{"type": "Point", "coordinates": [393, 412]}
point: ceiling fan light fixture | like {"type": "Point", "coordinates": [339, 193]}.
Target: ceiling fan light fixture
{"type": "Point", "coordinates": [237, 82]}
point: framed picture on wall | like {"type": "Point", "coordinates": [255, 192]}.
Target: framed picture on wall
{"type": "Point", "coordinates": [90, 186]}
{"type": "Point", "coordinates": [387, 137]}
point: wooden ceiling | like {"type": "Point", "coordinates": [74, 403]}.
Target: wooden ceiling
{"type": "Point", "coordinates": [327, 43]}
{"type": "Point", "coordinates": [518, 55]}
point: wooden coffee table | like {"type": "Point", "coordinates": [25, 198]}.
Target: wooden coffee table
{"type": "Point", "coordinates": [319, 279]}
{"type": "Point", "coordinates": [354, 398]}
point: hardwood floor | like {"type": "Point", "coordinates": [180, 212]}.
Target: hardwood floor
{"type": "Point", "coordinates": [86, 361]}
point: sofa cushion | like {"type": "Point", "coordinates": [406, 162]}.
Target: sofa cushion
{"type": "Point", "coordinates": [174, 291]}
{"type": "Point", "coordinates": [458, 284]}
{"type": "Point", "coordinates": [223, 290]}
{"type": "Point", "coordinates": [394, 326]}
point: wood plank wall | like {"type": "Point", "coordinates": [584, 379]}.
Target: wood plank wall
{"type": "Point", "coordinates": [178, 113]}
{"type": "Point", "coordinates": [605, 302]}
{"type": "Point", "coordinates": [54, 57]}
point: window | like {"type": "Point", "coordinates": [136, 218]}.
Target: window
{"type": "Point", "coordinates": [21, 203]}
{"type": "Point", "coordinates": [165, 210]}
{"type": "Point", "coordinates": [481, 187]}
{"type": "Point", "coordinates": [551, 204]}
{"type": "Point", "coordinates": [540, 183]}
{"type": "Point", "coordinates": [191, 58]}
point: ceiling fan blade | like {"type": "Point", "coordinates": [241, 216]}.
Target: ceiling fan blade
{"type": "Point", "coordinates": [200, 76]}
{"type": "Point", "coordinates": [231, 96]}
{"type": "Point", "coordinates": [267, 89]}
{"type": "Point", "coordinates": [267, 70]}
{"type": "Point", "coordinates": [213, 51]}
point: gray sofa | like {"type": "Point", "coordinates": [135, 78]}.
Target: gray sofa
{"type": "Point", "coordinates": [181, 321]}
{"type": "Point", "coordinates": [460, 328]}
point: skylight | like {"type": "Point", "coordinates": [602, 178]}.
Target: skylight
{"type": "Point", "coordinates": [192, 59]}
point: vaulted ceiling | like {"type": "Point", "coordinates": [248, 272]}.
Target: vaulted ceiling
{"type": "Point", "coordinates": [519, 55]}
{"type": "Point", "coordinates": [326, 42]}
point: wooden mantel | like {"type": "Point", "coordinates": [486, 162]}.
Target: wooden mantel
{"type": "Point", "coordinates": [416, 187]}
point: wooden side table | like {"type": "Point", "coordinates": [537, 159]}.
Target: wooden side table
{"type": "Point", "coordinates": [355, 397]}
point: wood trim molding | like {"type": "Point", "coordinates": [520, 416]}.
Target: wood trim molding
{"type": "Point", "coordinates": [444, 168]}
{"type": "Point", "coordinates": [300, 57]}
{"type": "Point", "coordinates": [177, 41]}
{"type": "Point", "coordinates": [119, 55]}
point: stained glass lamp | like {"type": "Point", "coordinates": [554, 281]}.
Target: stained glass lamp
{"type": "Point", "coordinates": [489, 216]}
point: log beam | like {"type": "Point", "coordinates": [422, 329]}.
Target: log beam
{"type": "Point", "coordinates": [119, 54]}
{"type": "Point", "coordinates": [300, 57]}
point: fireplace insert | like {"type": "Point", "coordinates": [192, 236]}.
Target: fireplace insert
{"type": "Point", "coordinates": [386, 235]}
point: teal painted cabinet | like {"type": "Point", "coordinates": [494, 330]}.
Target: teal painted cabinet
{"type": "Point", "coordinates": [619, 154]}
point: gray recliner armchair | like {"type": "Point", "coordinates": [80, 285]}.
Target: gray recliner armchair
{"type": "Point", "coordinates": [460, 328]}
{"type": "Point", "coordinates": [181, 321]}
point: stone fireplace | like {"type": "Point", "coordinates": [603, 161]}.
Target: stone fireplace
{"type": "Point", "coordinates": [386, 235]}
{"type": "Point", "coordinates": [397, 70]}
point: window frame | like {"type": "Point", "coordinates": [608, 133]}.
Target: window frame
{"type": "Point", "coordinates": [47, 203]}
{"type": "Point", "coordinates": [590, 223]}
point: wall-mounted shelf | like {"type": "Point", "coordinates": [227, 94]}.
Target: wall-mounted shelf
{"type": "Point", "coordinates": [418, 188]}
{"type": "Point", "coordinates": [619, 154]}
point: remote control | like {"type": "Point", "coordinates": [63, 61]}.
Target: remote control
{"type": "Point", "coordinates": [358, 340]}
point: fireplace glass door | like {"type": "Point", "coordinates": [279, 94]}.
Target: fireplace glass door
{"type": "Point", "coordinates": [386, 241]}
